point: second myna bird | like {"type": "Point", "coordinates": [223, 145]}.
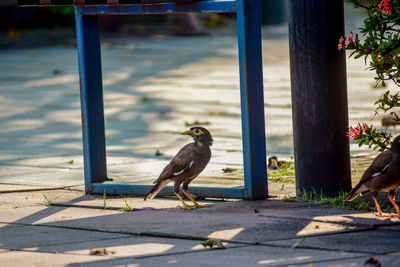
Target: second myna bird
{"type": "Point", "coordinates": [382, 176]}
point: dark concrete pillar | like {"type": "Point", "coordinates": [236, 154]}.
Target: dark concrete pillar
{"type": "Point", "coordinates": [273, 12]}
{"type": "Point", "coordinates": [319, 96]}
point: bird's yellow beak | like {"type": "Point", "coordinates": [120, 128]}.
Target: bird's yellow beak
{"type": "Point", "coordinates": [187, 133]}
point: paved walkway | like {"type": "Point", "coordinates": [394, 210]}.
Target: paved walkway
{"type": "Point", "coordinates": [156, 233]}
{"type": "Point", "coordinates": [155, 88]}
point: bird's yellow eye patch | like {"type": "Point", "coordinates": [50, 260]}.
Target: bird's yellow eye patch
{"type": "Point", "coordinates": [197, 131]}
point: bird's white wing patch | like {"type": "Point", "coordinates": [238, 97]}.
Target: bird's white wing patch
{"type": "Point", "coordinates": [382, 171]}
{"type": "Point", "coordinates": [376, 174]}
{"type": "Point", "coordinates": [186, 167]}
{"type": "Point", "coordinates": [385, 168]}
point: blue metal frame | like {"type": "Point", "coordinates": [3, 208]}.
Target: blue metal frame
{"type": "Point", "coordinates": [93, 132]}
{"type": "Point", "coordinates": [252, 99]}
{"type": "Point", "coordinates": [251, 87]}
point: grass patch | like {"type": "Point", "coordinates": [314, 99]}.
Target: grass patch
{"type": "Point", "coordinates": [338, 202]}
{"type": "Point", "coordinates": [213, 242]}
{"type": "Point", "coordinates": [49, 200]}
{"type": "Point", "coordinates": [127, 207]}
{"type": "Point", "coordinates": [298, 243]}
{"type": "Point", "coordinates": [285, 173]}
{"type": "Point", "coordinates": [104, 200]}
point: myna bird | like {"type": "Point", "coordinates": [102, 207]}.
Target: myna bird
{"type": "Point", "coordinates": [186, 165]}
{"type": "Point", "coordinates": [273, 163]}
{"type": "Point", "coordinates": [382, 175]}
{"type": "Point", "coordinates": [390, 121]}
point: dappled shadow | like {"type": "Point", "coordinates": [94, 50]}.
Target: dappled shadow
{"type": "Point", "coordinates": [153, 89]}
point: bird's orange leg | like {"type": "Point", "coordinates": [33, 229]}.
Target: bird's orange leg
{"type": "Point", "coordinates": [378, 208]}
{"type": "Point", "coordinates": [194, 201]}
{"type": "Point", "coordinates": [395, 206]}
{"type": "Point", "coordinates": [185, 206]}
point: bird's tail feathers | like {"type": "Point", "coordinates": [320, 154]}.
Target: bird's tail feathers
{"type": "Point", "coordinates": [155, 189]}
{"type": "Point", "coordinates": [359, 189]}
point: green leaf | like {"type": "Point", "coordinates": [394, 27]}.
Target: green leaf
{"type": "Point", "coordinates": [213, 242]}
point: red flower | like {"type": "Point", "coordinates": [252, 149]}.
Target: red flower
{"type": "Point", "coordinates": [355, 132]}
{"type": "Point", "coordinates": [342, 43]}
{"type": "Point", "coordinates": [384, 4]}
{"type": "Point", "coordinates": [350, 38]}
{"type": "Point", "coordinates": [377, 58]}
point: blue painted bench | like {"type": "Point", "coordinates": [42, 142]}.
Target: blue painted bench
{"type": "Point", "coordinates": [251, 89]}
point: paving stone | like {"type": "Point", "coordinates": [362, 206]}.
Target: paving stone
{"type": "Point", "coordinates": [393, 227]}
{"type": "Point", "coordinates": [386, 260]}
{"type": "Point", "coordinates": [40, 236]}
{"type": "Point", "coordinates": [239, 256]}
{"type": "Point", "coordinates": [364, 242]}
{"type": "Point", "coordinates": [50, 177]}
{"type": "Point", "coordinates": [236, 221]}
{"type": "Point", "coordinates": [35, 198]}
{"type": "Point", "coordinates": [18, 188]}
{"type": "Point", "coordinates": [132, 246]}
{"type": "Point", "coordinates": [28, 258]}
{"type": "Point", "coordinates": [6, 225]}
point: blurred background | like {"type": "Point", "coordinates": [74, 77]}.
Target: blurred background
{"type": "Point", "coordinates": [16, 21]}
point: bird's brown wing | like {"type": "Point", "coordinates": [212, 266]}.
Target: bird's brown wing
{"type": "Point", "coordinates": [180, 163]}
{"type": "Point", "coordinates": [379, 165]}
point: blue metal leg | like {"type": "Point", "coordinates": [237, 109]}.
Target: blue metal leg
{"type": "Point", "coordinates": [94, 151]}
{"type": "Point", "coordinates": [252, 99]}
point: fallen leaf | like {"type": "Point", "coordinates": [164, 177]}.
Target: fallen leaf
{"type": "Point", "coordinates": [213, 242]}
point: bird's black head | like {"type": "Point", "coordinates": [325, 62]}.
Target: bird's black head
{"type": "Point", "coordinates": [396, 144]}
{"type": "Point", "coordinates": [200, 134]}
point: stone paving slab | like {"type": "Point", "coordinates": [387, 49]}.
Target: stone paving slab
{"type": "Point", "coordinates": [134, 246]}
{"type": "Point", "coordinates": [29, 258]}
{"type": "Point", "coordinates": [36, 198]}
{"type": "Point", "coordinates": [238, 256]}
{"type": "Point", "coordinates": [33, 237]}
{"type": "Point", "coordinates": [5, 188]}
{"type": "Point", "coordinates": [9, 226]}
{"type": "Point", "coordinates": [385, 260]}
{"type": "Point", "coordinates": [368, 241]}
{"type": "Point", "coordinates": [36, 176]}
